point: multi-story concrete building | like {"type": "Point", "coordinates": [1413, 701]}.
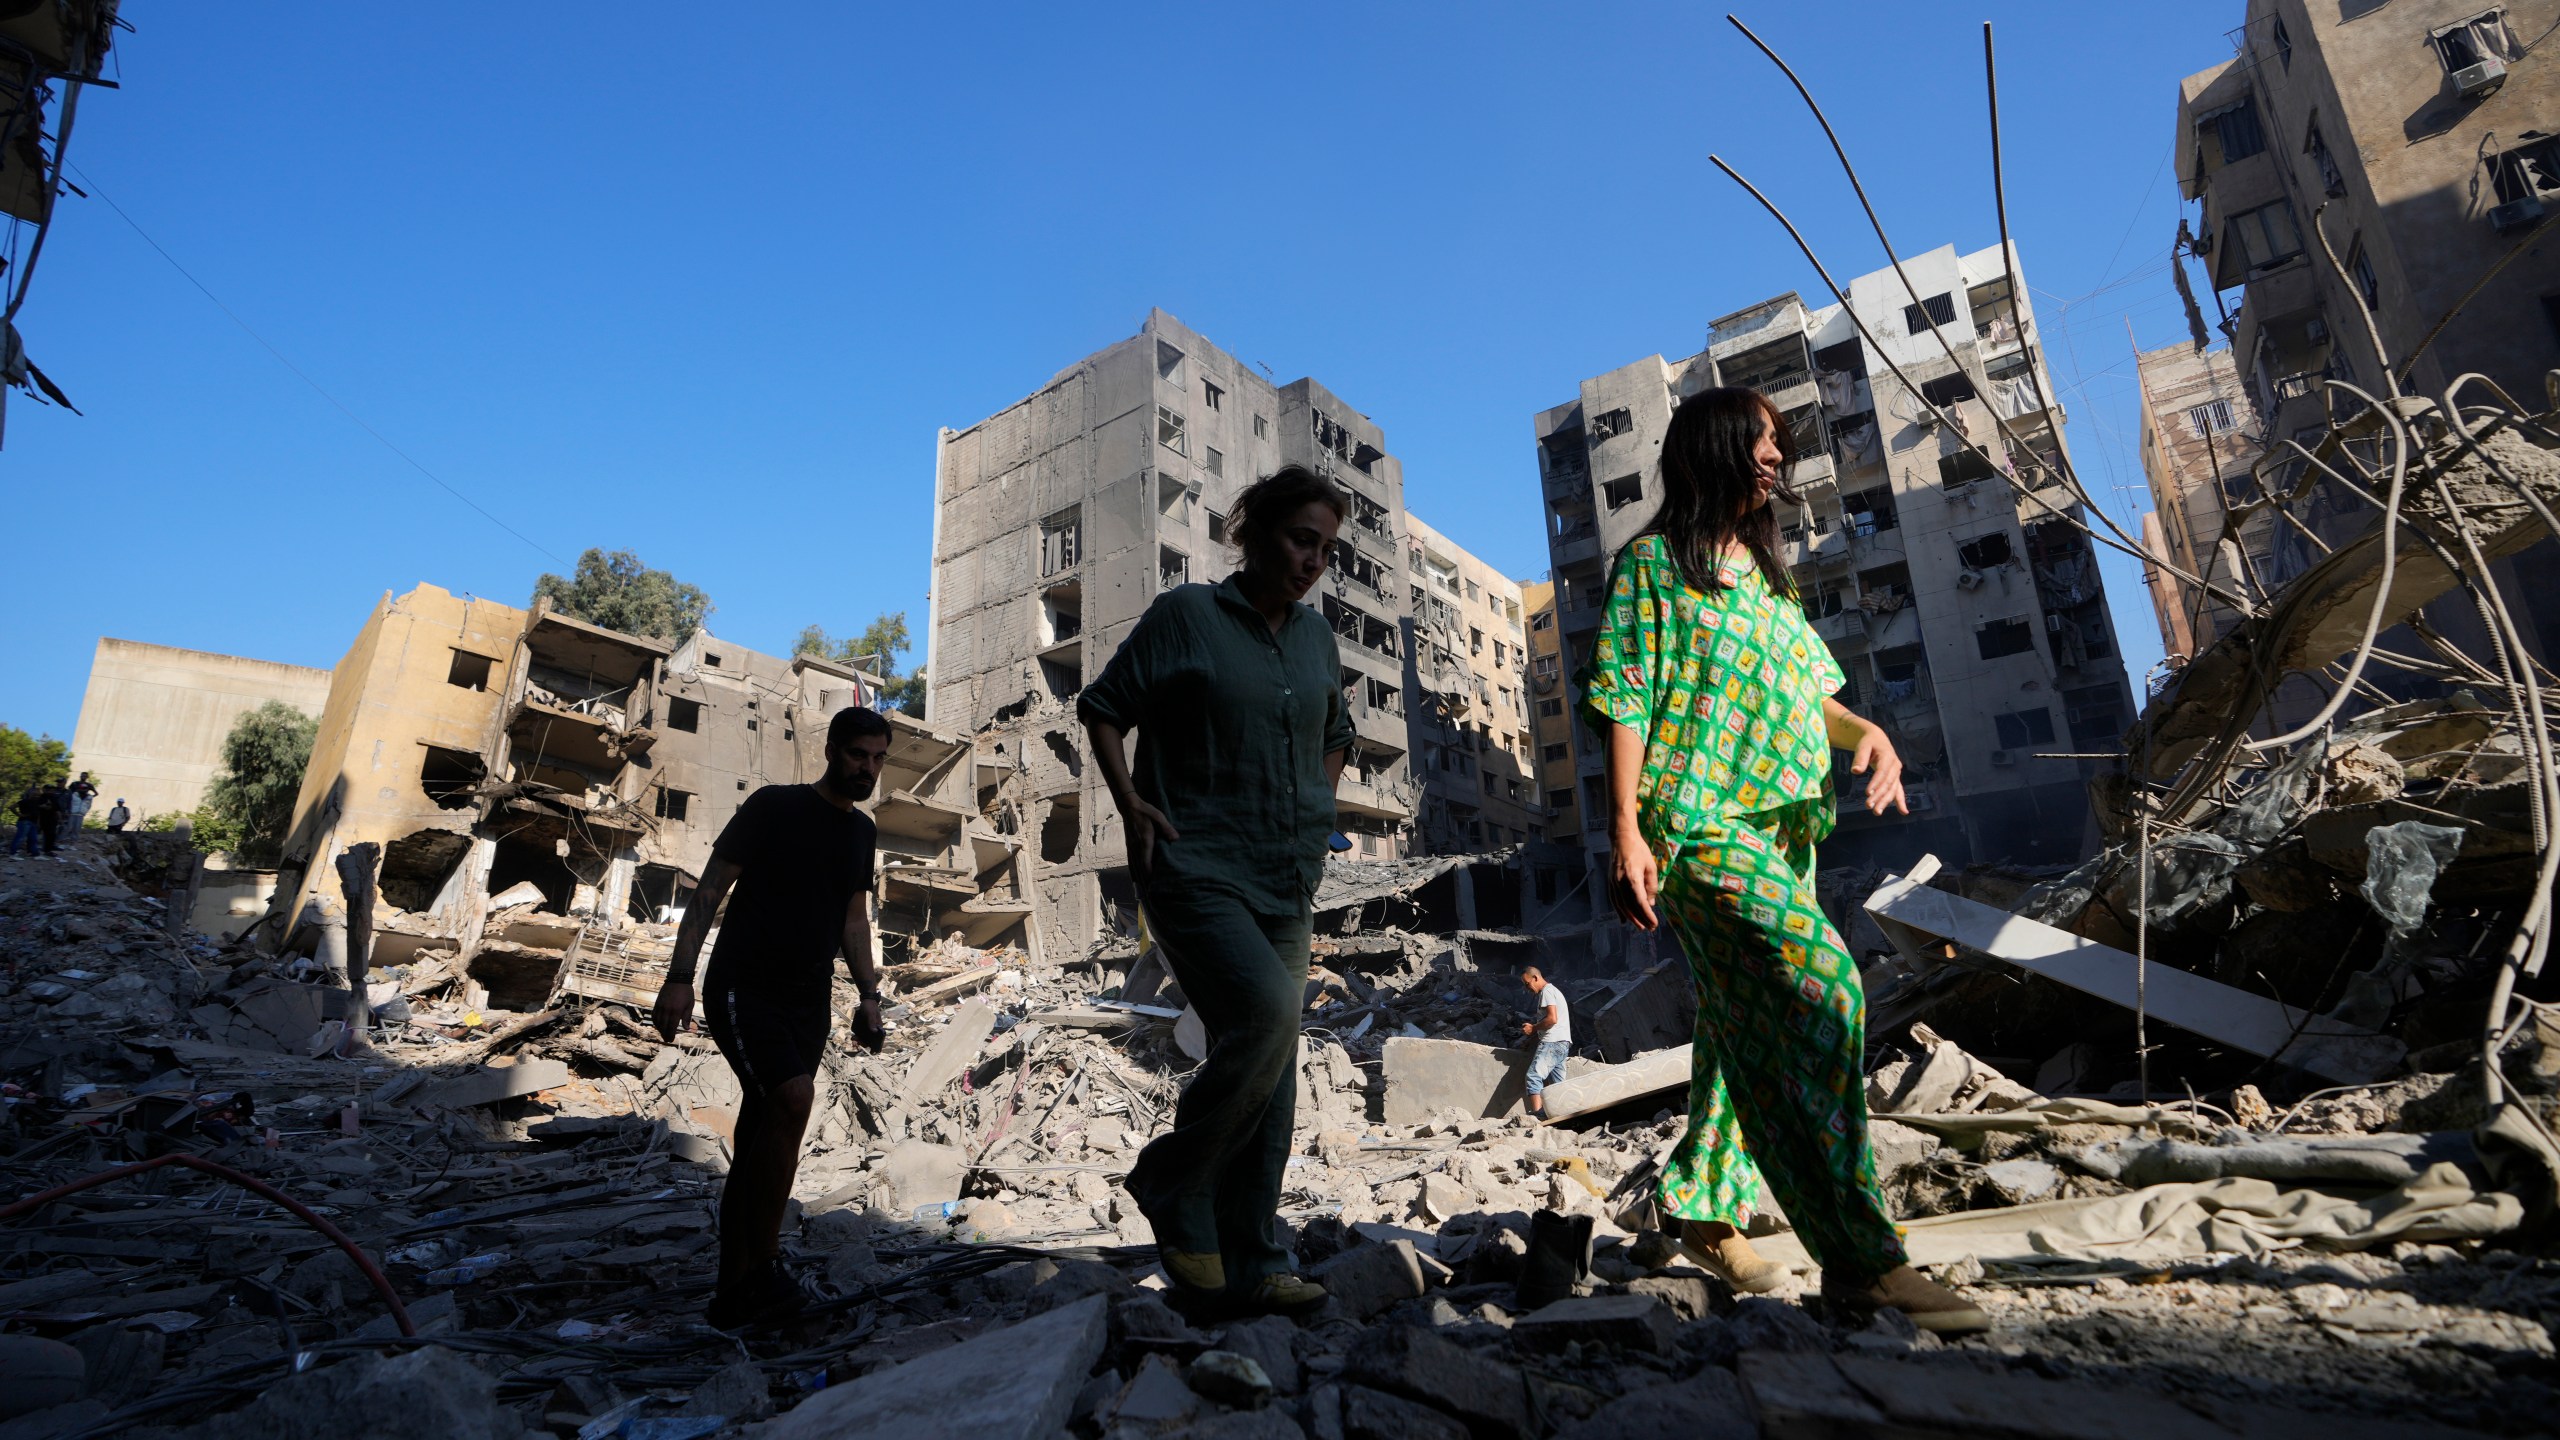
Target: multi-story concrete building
{"type": "Point", "coordinates": [1466, 676]}
{"type": "Point", "coordinates": [1964, 605]}
{"type": "Point", "coordinates": [1550, 728]}
{"type": "Point", "coordinates": [1058, 520]}
{"type": "Point", "coordinates": [2200, 442]}
{"type": "Point", "coordinates": [2417, 136]}
{"type": "Point", "coordinates": [154, 717]}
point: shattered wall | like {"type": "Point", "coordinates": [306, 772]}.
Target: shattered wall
{"type": "Point", "coordinates": [1059, 519]}
{"type": "Point", "coordinates": [414, 709]}
{"type": "Point", "coordinates": [2358, 124]}
{"type": "Point", "coordinates": [154, 717]}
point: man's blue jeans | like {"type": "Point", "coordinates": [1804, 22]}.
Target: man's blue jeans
{"type": "Point", "coordinates": [33, 836]}
{"type": "Point", "coordinates": [1547, 1066]}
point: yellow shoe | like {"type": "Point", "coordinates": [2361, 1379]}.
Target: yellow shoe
{"type": "Point", "coordinates": [1287, 1295]}
{"type": "Point", "coordinates": [1731, 1259]}
{"type": "Point", "coordinates": [1931, 1306]}
{"type": "Point", "coordinates": [1206, 1273]}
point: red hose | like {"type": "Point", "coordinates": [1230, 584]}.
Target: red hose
{"type": "Point", "coordinates": [308, 1216]}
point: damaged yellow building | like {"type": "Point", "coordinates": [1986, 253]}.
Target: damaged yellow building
{"type": "Point", "coordinates": [546, 791]}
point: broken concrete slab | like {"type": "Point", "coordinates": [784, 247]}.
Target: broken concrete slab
{"type": "Point", "coordinates": [1650, 1074]}
{"type": "Point", "coordinates": [919, 1172]}
{"type": "Point", "coordinates": [1017, 1383]}
{"type": "Point", "coordinates": [1375, 1415]}
{"type": "Point", "coordinates": [1632, 1321]}
{"type": "Point", "coordinates": [1420, 1365]}
{"type": "Point", "coordinates": [1422, 1078]}
{"type": "Point", "coordinates": [1657, 1011]}
{"type": "Point", "coordinates": [950, 1053]}
{"type": "Point", "coordinates": [1709, 1405]}
{"type": "Point", "coordinates": [38, 1374]}
{"type": "Point", "coordinates": [490, 1084]}
{"type": "Point", "coordinates": [1369, 1278]}
{"type": "Point", "coordinates": [2318, 1044]}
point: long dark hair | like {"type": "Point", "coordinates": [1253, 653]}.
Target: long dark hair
{"type": "Point", "coordinates": [1267, 504]}
{"type": "Point", "coordinates": [1707, 473]}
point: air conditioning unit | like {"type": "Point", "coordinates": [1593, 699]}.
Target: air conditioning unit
{"type": "Point", "coordinates": [2004, 757]}
{"type": "Point", "coordinates": [2517, 214]}
{"type": "Point", "coordinates": [2473, 82]}
{"type": "Point", "coordinates": [2054, 623]}
{"type": "Point", "coordinates": [1968, 579]}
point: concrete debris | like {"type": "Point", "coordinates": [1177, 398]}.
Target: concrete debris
{"type": "Point", "coordinates": [537, 1182]}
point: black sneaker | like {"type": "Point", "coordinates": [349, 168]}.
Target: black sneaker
{"type": "Point", "coordinates": [773, 1297]}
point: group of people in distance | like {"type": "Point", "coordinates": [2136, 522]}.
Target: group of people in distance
{"type": "Point", "coordinates": [1710, 696]}
{"type": "Point", "coordinates": [52, 811]}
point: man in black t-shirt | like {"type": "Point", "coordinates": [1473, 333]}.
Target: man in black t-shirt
{"type": "Point", "coordinates": [801, 859]}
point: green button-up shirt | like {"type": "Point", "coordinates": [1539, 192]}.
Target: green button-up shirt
{"type": "Point", "coordinates": [1234, 723]}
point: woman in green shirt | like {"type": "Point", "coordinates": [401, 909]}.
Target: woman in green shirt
{"type": "Point", "coordinates": [1712, 696]}
{"type": "Point", "coordinates": [1235, 691]}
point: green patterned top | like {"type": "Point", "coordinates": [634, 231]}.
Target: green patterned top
{"type": "Point", "coordinates": [1727, 688]}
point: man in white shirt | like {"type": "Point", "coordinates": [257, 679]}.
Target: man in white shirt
{"type": "Point", "coordinates": [1551, 1033]}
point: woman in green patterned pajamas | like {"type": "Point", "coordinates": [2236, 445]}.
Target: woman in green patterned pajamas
{"type": "Point", "coordinates": [1711, 695]}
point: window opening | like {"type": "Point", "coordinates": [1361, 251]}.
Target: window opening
{"type": "Point", "coordinates": [446, 776]}
{"type": "Point", "coordinates": [2368, 284]}
{"type": "Point", "coordinates": [2213, 417]}
{"type": "Point", "coordinates": [674, 804]}
{"type": "Point", "coordinates": [2482, 38]}
{"type": "Point", "coordinates": [1937, 310]}
{"type": "Point", "coordinates": [2332, 181]}
{"type": "Point", "coordinates": [2283, 41]}
{"type": "Point", "coordinates": [1169, 431]}
{"type": "Point", "coordinates": [2004, 637]}
{"type": "Point", "coordinates": [469, 671]}
{"type": "Point", "coordinates": [1261, 428]}
{"type": "Point", "coordinates": [1984, 551]}
{"type": "Point", "coordinates": [683, 714]}
{"type": "Point", "coordinates": [1946, 390]}
{"type": "Point", "coordinates": [1211, 396]}
{"type": "Point", "coordinates": [1611, 425]}
{"type": "Point", "coordinates": [1624, 491]}
{"type": "Point", "coordinates": [1214, 460]}
{"type": "Point", "coordinates": [1871, 512]}
{"type": "Point", "coordinates": [2236, 130]}
{"type": "Point", "coordinates": [1964, 467]}
{"type": "Point", "coordinates": [1169, 364]}
{"type": "Point", "coordinates": [2021, 728]}
{"type": "Point", "coordinates": [1061, 541]}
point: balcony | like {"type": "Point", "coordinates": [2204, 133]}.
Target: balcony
{"type": "Point", "coordinates": [1758, 325]}
{"type": "Point", "coordinates": [1815, 550]}
{"type": "Point", "coordinates": [1370, 799]}
{"type": "Point", "coordinates": [1575, 545]}
{"type": "Point", "coordinates": [1848, 626]}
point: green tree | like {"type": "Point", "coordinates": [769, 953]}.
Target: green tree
{"type": "Point", "coordinates": [615, 590]}
{"type": "Point", "coordinates": [29, 760]}
{"type": "Point", "coordinates": [249, 806]}
{"type": "Point", "coordinates": [875, 651]}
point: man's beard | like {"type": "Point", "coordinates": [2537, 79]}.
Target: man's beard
{"type": "Point", "coordinates": [852, 784]}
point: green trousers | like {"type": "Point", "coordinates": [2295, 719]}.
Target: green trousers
{"type": "Point", "coordinates": [1777, 1065]}
{"type": "Point", "coordinates": [1211, 1184]}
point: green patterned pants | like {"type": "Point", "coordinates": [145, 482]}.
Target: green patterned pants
{"type": "Point", "coordinates": [1777, 1067]}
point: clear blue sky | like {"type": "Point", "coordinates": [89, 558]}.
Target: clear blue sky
{"type": "Point", "coordinates": [631, 279]}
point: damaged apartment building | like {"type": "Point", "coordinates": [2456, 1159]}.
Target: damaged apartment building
{"type": "Point", "coordinates": [1060, 518]}
{"type": "Point", "coordinates": [545, 791]}
{"type": "Point", "coordinates": [2392, 161]}
{"type": "Point", "coordinates": [1968, 619]}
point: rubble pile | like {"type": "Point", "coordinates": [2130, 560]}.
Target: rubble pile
{"type": "Point", "coordinates": [536, 1188]}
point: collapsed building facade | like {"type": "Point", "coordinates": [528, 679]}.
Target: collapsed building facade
{"type": "Point", "coordinates": [545, 791]}
{"type": "Point", "coordinates": [2410, 143]}
{"type": "Point", "coordinates": [1962, 601]}
{"type": "Point", "coordinates": [1059, 519]}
